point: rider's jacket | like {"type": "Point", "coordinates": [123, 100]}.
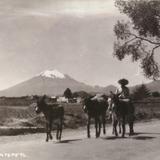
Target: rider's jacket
{"type": "Point", "coordinates": [123, 92]}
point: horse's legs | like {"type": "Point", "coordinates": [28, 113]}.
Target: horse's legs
{"type": "Point", "coordinates": [131, 130]}
{"type": "Point", "coordinates": [47, 132]}
{"type": "Point", "coordinates": [115, 127]}
{"type": "Point", "coordinates": [99, 127]}
{"type": "Point", "coordinates": [119, 124]}
{"type": "Point", "coordinates": [131, 119]}
{"type": "Point", "coordinates": [57, 133]}
{"type": "Point", "coordinates": [88, 127]}
{"type": "Point", "coordinates": [104, 124]}
{"type": "Point", "coordinates": [123, 126]}
{"type": "Point", "coordinates": [114, 124]}
{"type": "Point", "coordinates": [96, 126]}
{"type": "Point", "coordinates": [50, 129]}
{"type": "Point", "coordinates": [60, 128]}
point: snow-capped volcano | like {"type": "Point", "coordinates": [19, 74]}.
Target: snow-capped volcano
{"type": "Point", "coordinates": [52, 74]}
{"type": "Point", "coordinates": [50, 82]}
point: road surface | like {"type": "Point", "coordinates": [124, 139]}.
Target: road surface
{"type": "Point", "coordinates": [145, 145]}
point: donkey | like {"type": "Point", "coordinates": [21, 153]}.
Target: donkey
{"type": "Point", "coordinates": [122, 111]}
{"type": "Point", "coordinates": [51, 112]}
{"type": "Point", "coordinates": [97, 110]}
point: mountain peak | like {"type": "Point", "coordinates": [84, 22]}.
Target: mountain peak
{"type": "Point", "coordinates": [52, 74]}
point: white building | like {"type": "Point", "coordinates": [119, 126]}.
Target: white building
{"type": "Point", "coordinates": [62, 100]}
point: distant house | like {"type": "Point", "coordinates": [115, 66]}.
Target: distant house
{"type": "Point", "coordinates": [75, 100]}
{"type": "Point", "coordinates": [53, 98]}
{"type": "Point", "coordinates": [79, 99]}
{"type": "Point", "coordinates": [62, 100]}
{"type": "Point", "coordinates": [69, 100]}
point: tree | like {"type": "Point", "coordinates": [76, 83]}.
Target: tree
{"type": "Point", "coordinates": [68, 93]}
{"type": "Point", "coordinates": [81, 94]}
{"type": "Point", "coordinates": [155, 94]}
{"type": "Point", "coordinates": [140, 36]}
{"type": "Point", "coordinates": [141, 92]}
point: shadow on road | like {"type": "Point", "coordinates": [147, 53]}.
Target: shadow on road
{"type": "Point", "coordinates": [139, 133]}
{"type": "Point", "coordinates": [143, 137]}
{"type": "Point", "coordinates": [68, 140]}
{"type": "Point", "coordinates": [113, 138]}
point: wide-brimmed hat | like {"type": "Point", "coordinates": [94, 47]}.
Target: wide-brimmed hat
{"type": "Point", "coordinates": [123, 81]}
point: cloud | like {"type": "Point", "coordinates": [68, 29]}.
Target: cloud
{"type": "Point", "coordinates": [50, 7]}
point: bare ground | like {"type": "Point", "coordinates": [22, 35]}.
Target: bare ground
{"type": "Point", "coordinates": [145, 145]}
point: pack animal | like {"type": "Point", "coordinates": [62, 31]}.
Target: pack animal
{"type": "Point", "coordinates": [51, 113]}
{"type": "Point", "coordinates": [97, 110]}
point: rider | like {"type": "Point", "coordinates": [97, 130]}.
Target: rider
{"type": "Point", "coordinates": [123, 91]}
{"type": "Point", "coordinates": [123, 94]}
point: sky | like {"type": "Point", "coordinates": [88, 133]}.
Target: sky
{"type": "Point", "coordinates": [73, 36]}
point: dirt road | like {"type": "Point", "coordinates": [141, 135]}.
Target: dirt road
{"type": "Point", "coordinates": [145, 145]}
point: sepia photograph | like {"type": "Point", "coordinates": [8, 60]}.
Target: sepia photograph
{"type": "Point", "coordinates": [79, 79]}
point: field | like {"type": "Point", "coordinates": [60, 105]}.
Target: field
{"type": "Point", "coordinates": [23, 119]}
{"type": "Point", "coordinates": [147, 109]}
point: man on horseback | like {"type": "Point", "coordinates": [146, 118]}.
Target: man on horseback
{"type": "Point", "coordinates": [123, 92]}
{"type": "Point", "coordinates": [124, 97]}
{"type": "Point", "coordinates": [121, 108]}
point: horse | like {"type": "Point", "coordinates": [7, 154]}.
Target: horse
{"type": "Point", "coordinates": [51, 112]}
{"type": "Point", "coordinates": [122, 111]}
{"type": "Point", "coordinates": [112, 116]}
{"type": "Point", "coordinates": [97, 110]}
